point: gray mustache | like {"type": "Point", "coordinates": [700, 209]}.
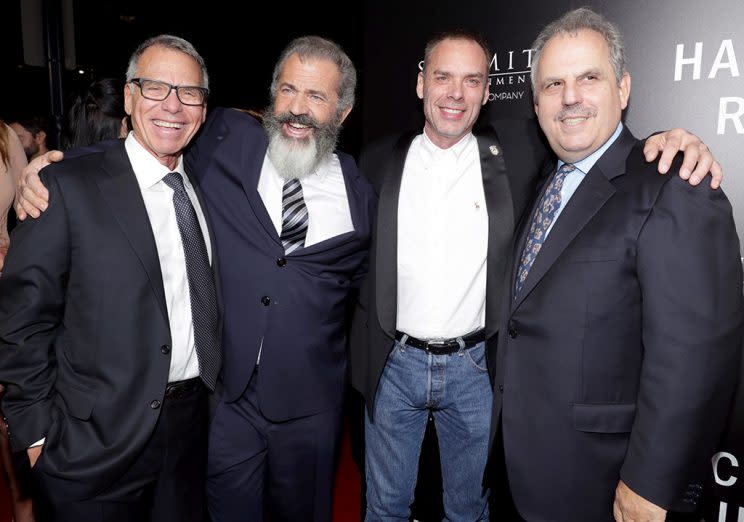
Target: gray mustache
{"type": "Point", "coordinates": [575, 112]}
{"type": "Point", "coordinates": [301, 119]}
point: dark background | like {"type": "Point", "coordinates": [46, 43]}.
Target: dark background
{"type": "Point", "coordinates": [230, 35]}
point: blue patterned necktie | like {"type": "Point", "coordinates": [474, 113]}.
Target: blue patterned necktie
{"type": "Point", "coordinates": [294, 216]}
{"type": "Point", "coordinates": [541, 221]}
{"type": "Point", "coordinates": [201, 283]}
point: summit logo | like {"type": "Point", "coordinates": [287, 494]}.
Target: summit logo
{"type": "Point", "coordinates": [509, 72]}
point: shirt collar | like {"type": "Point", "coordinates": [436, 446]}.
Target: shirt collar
{"type": "Point", "coordinates": [147, 169]}
{"type": "Point", "coordinates": [457, 149]}
{"type": "Point", "coordinates": [587, 163]}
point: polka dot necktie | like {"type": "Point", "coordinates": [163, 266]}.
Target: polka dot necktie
{"type": "Point", "coordinates": [201, 283]}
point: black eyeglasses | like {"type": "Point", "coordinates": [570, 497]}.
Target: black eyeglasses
{"type": "Point", "coordinates": [158, 91]}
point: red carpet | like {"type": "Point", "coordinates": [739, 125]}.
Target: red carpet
{"type": "Point", "coordinates": [347, 492]}
{"type": "Point", "coordinates": [346, 501]}
{"type": "Point", "coordinates": [6, 508]}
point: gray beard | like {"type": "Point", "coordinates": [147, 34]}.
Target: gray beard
{"type": "Point", "coordinates": [298, 158]}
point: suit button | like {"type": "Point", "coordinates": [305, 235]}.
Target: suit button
{"type": "Point", "coordinates": [266, 300]}
{"type": "Point", "coordinates": [281, 262]}
{"type": "Point", "coordinates": [501, 388]}
{"type": "Point", "coordinates": [513, 333]}
{"type": "Point", "coordinates": [165, 349]}
{"type": "Point", "coordinates": [155, 404]}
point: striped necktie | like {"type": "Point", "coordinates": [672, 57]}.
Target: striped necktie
{"type": "Point", "coordinates": [294, 216]}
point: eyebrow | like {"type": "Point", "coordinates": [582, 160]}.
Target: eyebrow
{"type": "Point", "coordinates": [587, 72]}
{"type": "Point", "coordinates": [308, 91]}
{"type": "Point", "coordinates": [467, 75]}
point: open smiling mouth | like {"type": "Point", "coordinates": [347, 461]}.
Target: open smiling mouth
{"type": "Point", "coordinates": [168, 124]}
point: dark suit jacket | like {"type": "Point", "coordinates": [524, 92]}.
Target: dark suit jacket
{"type": "Point", "coordinates": [620, 354]}
{"type": "Point", "coordinates": [292, 306]}
{"type": "Point", "coordinates": [83, 318]}
{"type": "Point", "coordinates": [511, 155]}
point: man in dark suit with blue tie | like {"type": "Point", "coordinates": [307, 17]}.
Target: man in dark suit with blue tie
{"type": "Point", "coordinates": [109, 314]}
{"type": "Point", "coordinates": [622, 324]}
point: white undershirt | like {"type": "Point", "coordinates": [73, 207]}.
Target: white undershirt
{"type": "Point", "coordinates": [325, 196]}
{"type": "Point", "coordinates": [158, 198]}
{"type": "Point", "coordinates": [442, 241]}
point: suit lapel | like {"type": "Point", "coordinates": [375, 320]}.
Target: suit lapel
{"type": "Point", "coordinates": [591, 195]}
{"type": "Point", "coordinates": [123, 196]}
{"type": "Point", "coordinates": [500, 208]}
{"type": "Point", "coordinates": [251, 164]}
{"type": "Point", "coordinates": [386, 261]}
{"type": "Point", "coordinates": [212, 242]}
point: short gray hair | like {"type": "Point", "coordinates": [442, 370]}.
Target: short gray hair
{"type": "Point", "coordinates": [573, 22]}
{"type": "Point", "coordinates": [169, 42]}
{"type": "Point", "coordinates": [315, 47]}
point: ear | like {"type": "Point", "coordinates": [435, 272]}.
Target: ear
{"type": "Point", "coordinates": [345, 113]}
{"type": "Point", "coordinates": [420, 85]}
{"type": "Point", "coordinates": [486, 91]}
{"type": "Point", "coordinates": [128, 93]}
{"type": "Point", "coordinates": [123, 128]}
{"type": "Point", "coordinates": [624, 90]}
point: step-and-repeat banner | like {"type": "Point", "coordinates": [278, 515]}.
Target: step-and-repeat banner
{"type": "Point", "coordinates": [686, 59]}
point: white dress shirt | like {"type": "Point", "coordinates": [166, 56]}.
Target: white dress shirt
{"type": "Point", "coordinates": [158, 198]}
{"type": "Point", "coordinates": [325, 196]}
{"type": "Point", "coordinates": [442, 241]}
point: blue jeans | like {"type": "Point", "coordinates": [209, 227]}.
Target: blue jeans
{"type": "Point", "coordinates": [457, 391]}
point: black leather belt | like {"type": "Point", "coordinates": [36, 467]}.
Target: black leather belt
{"type": "Point", "coordinates": [443, 346]}
{"type": "Point", "coordinates": [180, 389]}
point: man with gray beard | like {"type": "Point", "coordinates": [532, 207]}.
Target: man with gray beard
{"type": "Point", "coordinates": [298, 158]}
{"type": "Point", "coordinates": [292, 220]}
{"type": "Point", "coordinates": [296, 220]}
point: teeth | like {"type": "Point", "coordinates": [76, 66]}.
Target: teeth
{"type": "Point", "coordinates": [169, 124]}
{"type": "Point", "coordinates": [573, 121]}
{"type": "Point", "coordinates": [451, 111]}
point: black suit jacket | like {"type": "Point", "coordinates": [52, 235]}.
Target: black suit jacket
{"type": "Point", "coordinates": [620, 354]}
{"type": "Point", "coordinates": [511, 154]}
{"type": "Point", "coordinates": [83, 318]}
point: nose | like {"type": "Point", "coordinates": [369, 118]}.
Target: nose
{"type": "Point", "coordinates": [571, 94]}
{"type": "Point", "coordinates": [455, 91]}
{"type": "Point", "coordinates": [171, 103]}
{"type": "Point", "coordinates": [298, 105]}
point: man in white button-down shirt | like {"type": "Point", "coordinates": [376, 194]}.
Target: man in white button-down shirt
{"type": "Point", "coordinates": [98, 344]}
{"type": "Point", "coordinates": [449, 202]}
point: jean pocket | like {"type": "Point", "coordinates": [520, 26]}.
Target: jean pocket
{"type": "Point", "coordinates": [477, 357]}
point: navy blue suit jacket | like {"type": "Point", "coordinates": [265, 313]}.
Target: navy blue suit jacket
{"type": "Point", "coordinates": [618, 358]}
{"type": "Point", "coordinates": [293, 307]}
